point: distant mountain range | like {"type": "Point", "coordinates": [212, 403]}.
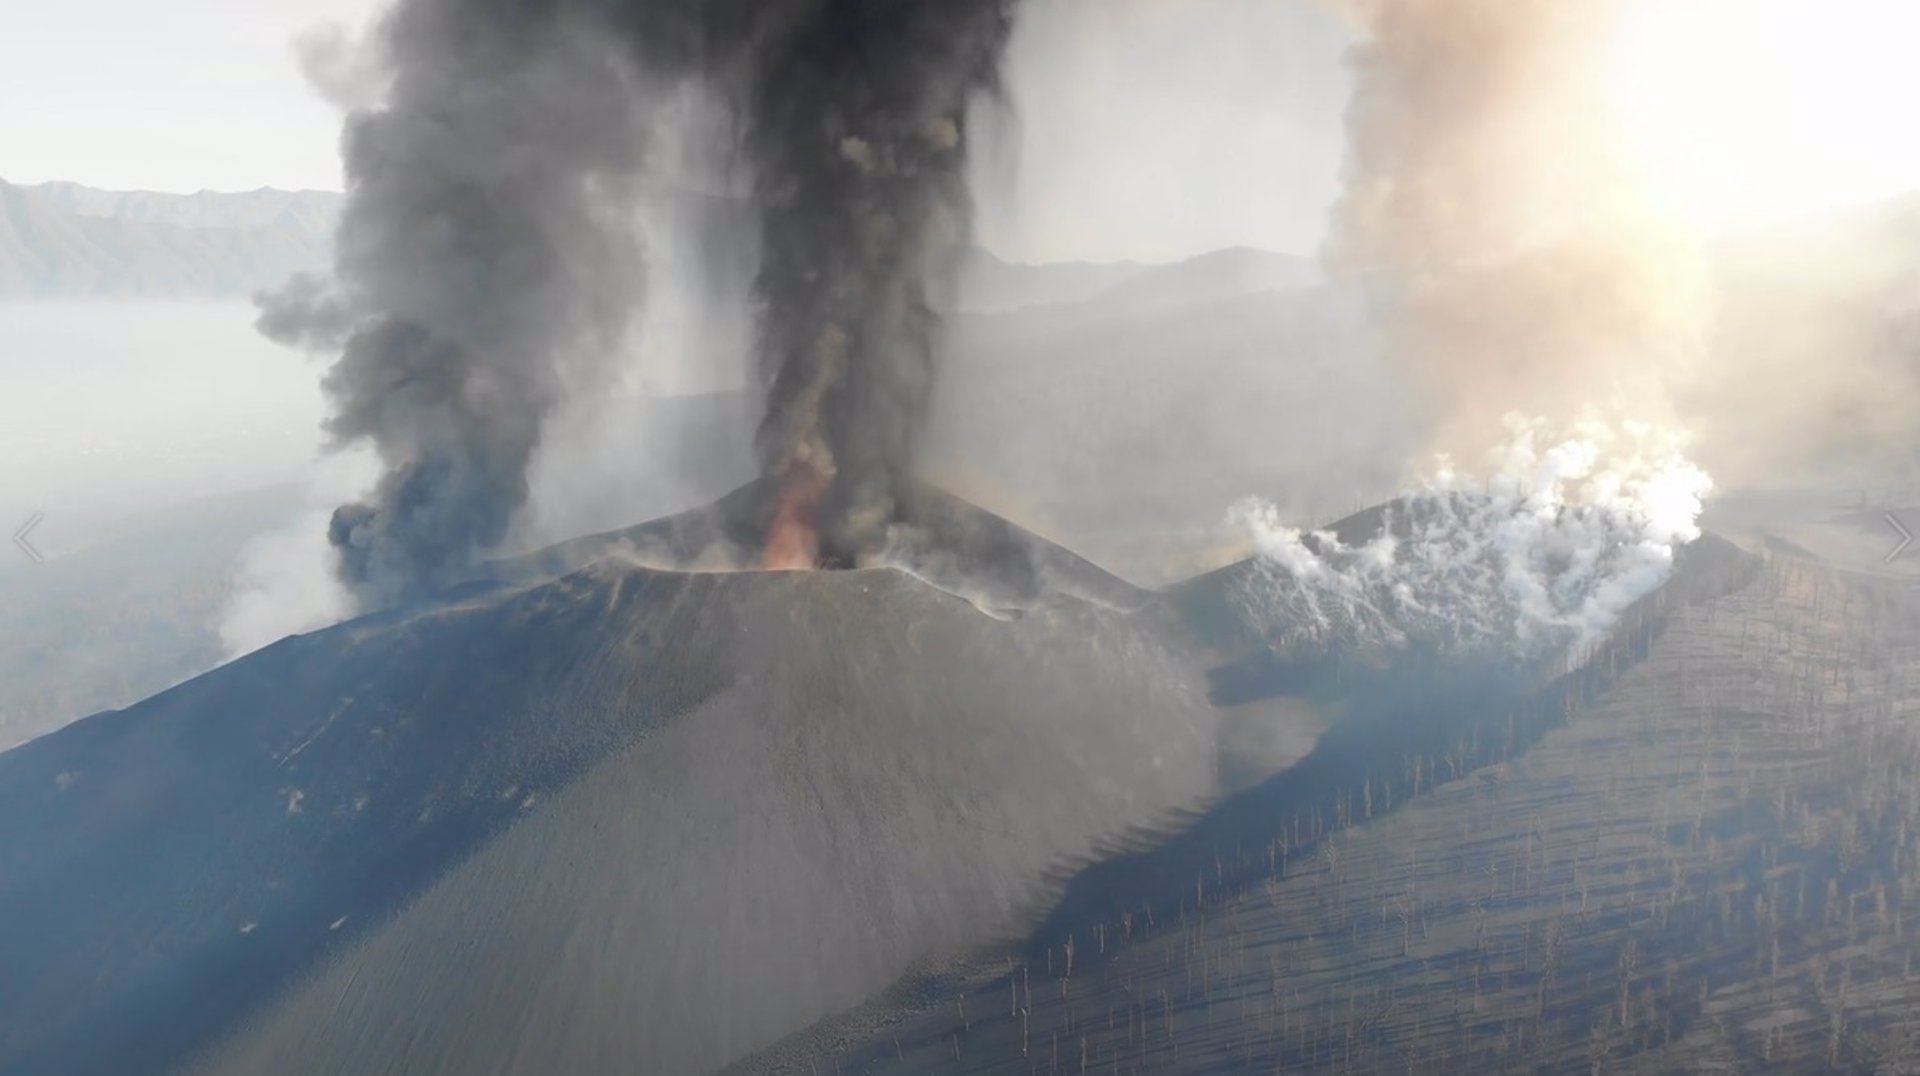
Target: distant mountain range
{"type": "Point", "coordinates": [990, 285]}
{"type": "Point", "coordinates": [63, 239]}
{"type": "Point", "coordinates": [313, 212]}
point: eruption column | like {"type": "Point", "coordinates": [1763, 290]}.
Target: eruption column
{"type": "Point", "coordinates": [489, 260]}
{"type": "Point", "coordinates": [856, 130]}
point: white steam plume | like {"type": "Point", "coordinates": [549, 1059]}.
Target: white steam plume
{"type": "Point", "coordinates": [1515, 259]}
{"type": "Point", "coordinates": [1535, 564]}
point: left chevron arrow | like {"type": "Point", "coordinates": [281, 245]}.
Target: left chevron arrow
{"type": "Point", "coordinates": [20, 537]}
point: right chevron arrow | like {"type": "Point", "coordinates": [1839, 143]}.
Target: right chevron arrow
{"type": "Point", "coordinates": [1906, 537]}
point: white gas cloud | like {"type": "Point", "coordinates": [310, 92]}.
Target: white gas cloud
{"type": "Point", "coordinates": [1534, 561]}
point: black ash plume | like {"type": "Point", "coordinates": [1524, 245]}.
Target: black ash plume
{"type": "Point", "coordinates": [485, 259]}
{"type": "Point", "coordinates": [856, 123]}
{"type": "Point", "coordinates": [488, 258]}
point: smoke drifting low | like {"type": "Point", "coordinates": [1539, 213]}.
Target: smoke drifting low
{"type": "Point", "coordinates": [489, 261]}
{"type": "Point", "coordinates": [1497, 218]}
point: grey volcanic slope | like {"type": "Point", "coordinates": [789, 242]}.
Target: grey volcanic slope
{"type": "Point", "coordinates": [624, 819]}
{"type": "Point", "coordinates": [956, 546]}
{"type": "Point", "coordinates": [1210, 605]}
{"type": "Point", "coordinates": [1706, 866]}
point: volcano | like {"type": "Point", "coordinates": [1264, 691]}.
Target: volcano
{"type": "Point", "coordinates": [941, 539]}
{"type": "Point", "coordinates": [626, 804]}
{"type": "Point", "coordinates": [592, 810]}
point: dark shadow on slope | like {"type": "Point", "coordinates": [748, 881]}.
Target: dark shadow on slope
{"type": "Point", "coordinates": [165, 868]}
{"type": "Point", "coordinates": [1406, 723]}
{"type": "Point", "coordinates": [1412, 729]}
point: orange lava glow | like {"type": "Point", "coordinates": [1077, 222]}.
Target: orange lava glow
{"type": "Point", "coordinates": [793, 539]}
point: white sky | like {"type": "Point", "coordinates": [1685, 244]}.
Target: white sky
{"type": "Point", "coordinates": [1756, 107]}
{"type": "Point", "coordinates": [1157, 129]}
{"type": "Point", "coordinates": [181, 96]}
{"type": "Point", "coordinates": [1148, 129]}
{"type": "Point", "coordinates": [1145, 129]}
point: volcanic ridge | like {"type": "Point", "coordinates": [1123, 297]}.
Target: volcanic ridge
{"type": "Point", "coordinates": [620, 805]}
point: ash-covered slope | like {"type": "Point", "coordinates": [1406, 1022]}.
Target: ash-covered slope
{"type": "Point", "coordinates": [589, 814]}
{"type": "Point", "coordinates": [952, 544]}
{"type": "Point", "coordinates": [1214, 606]}
{"type": "Point", "coordinates": [1517, 586]}
{"type": "Point", "coordinates": [887, 778]}
{"type": "Point", "coordinates": [624, 819]}
{"type": "Point", "coordinates": [1703, 864]}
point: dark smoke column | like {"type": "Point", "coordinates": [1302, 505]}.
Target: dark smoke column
{"type": "Point", "coordinates": [856, 125]}
{"type": "Point", "coordinates": [487, 260]}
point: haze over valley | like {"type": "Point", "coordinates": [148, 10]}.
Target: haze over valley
{"type": "Point", "coordinates": [989, 536]}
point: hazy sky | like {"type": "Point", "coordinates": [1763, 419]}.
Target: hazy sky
{"type": "Point", "coordinates": [1155, 129]}
{"type": "Point", "coordinates": [1754, 107]}
{"type": "Point", "coordinates": [175, 96]}
{"type": "Point", "coordinates": [1144, 129]}
{"type": "Point", "coordinates": [1147, 129]}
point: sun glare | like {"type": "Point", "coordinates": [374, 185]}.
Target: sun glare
{"type": "Point", "coordinates": [1749, 108]}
